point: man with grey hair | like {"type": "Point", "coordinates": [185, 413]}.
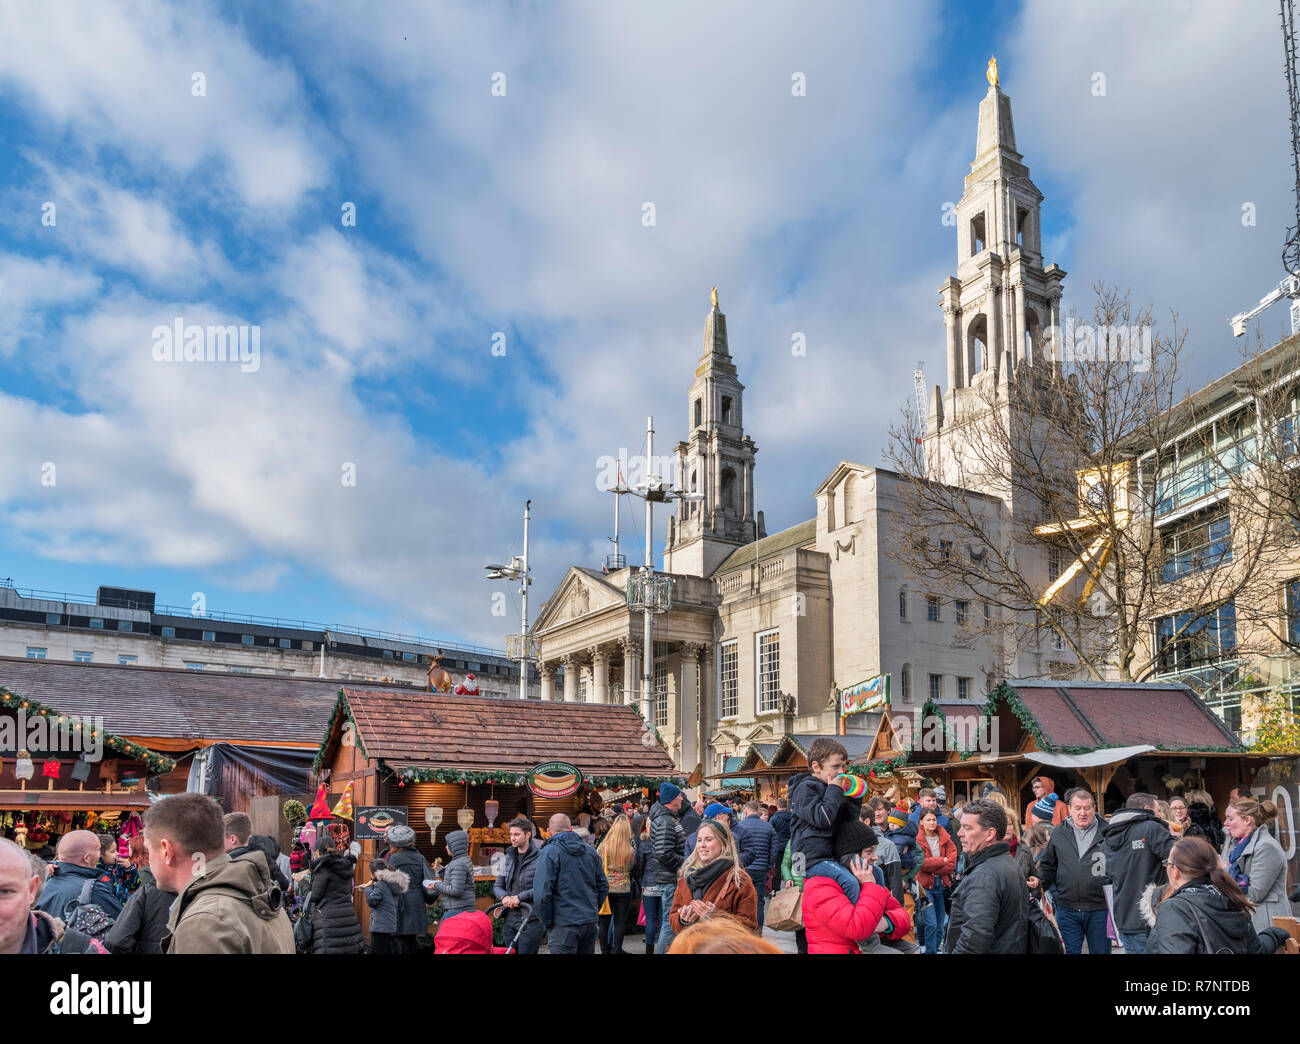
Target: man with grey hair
{"type": "Point", "coordinates": [1073, 868]}
{"type": "Point", "coordinates": [76, 864]}
{"type": "Point", "coordinates": [568, 889]}
{"type": "Point", "coordinates": [990, 908]}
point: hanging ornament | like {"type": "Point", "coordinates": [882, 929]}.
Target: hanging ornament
{"type": "Point", "coordinates": [320, 808]}
{"type": "Point", "coordinates": [51, 768]}
{"type": "Point", "coordinates": [343, 809]}
{"type": "Point", "coordinates": [24, 769]}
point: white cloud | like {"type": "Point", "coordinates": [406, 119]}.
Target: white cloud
{"type": "Point", "coordinates": [120, 76]}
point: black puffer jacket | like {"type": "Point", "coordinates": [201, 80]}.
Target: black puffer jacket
{"type": "Point", "coordinates": [1071, 877]}
{"type": "Point", "coordinates": [1199, 919]}
{"type": "Point", "coordinates": [142, 923]}
{"type": "Point", "coordinates": [1136, 843]}
{"type": "Point", "coordinates": [667, 848]}
{"type": "Point", "coordinates": [335, 928]}
{"type": "Point", "coordinates": [414, 916]}
{"type": "Point", "coordinates": [990, 908]}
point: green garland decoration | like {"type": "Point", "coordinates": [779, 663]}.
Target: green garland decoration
{"type": "Point", "coordinates": [340, 707]}
{"type": "Point", "coordinates": [509, 777]}
{"type": "Point", "coordinates": [157, 764]}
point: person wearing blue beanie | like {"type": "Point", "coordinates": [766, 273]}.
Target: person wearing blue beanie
{"type": "Point", "coordinates": [668, 791]}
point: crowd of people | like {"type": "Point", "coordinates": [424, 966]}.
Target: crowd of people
{"type": "Point", "coordinates": [847, 876]}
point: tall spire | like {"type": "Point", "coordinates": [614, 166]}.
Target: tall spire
{"type": "Point", "coordinates": [996, 132]}
{"type": "Point", "coordinates": [716, 354]}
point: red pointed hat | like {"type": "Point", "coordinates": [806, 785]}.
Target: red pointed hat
{"type": "Point", "coordinates": [320, 808]}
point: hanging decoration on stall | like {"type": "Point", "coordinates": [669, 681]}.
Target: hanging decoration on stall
{"type": "Point", "coordinates": [343, 807]}
{"type": "Point", "coordinates": [81, 769]}
{"type": "Point", "coordinates": [24, 769]}
{"type": "Point", "coordinates": [50, 769]}
{"type": "Point", "coordinates": [374, 821]}
{"type": "Point", "coordinates": [554, 779]}
{"type": "Point", "coordinates": [320, 808]}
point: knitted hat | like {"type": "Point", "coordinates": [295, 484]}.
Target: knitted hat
{"type": "Point", "coordinates": [716, 809]}
{"type": "Point", "coordinates": [667, 792]}
{"type": "Point", "coordinates": [1045, 807]}
{"type": "Point", "coordinates": [940, 795]}
{"type": "Point", "coordinates": [852, 836]}
{"type": "Point", "coordinates": [400, 836]}
{"type": "Point", "coordinates": [897, 818]}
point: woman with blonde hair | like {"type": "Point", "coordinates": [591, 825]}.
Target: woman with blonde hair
{"type": "Point", "coordinates": [712, 881]}
{"type": "Point", "coordinates": [619, 858]}
{"type": "Point", "coordinates": [1255, 859]}
{"type": "Point", "coordinates": [721, 934]}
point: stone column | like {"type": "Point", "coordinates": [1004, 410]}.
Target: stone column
{"type": "Point", "coordinates": [952, 320]}
{"type": "Point", "coordinates": [995, 329]}
{"type": "Point", "coordinates": [546, 669]}
{"type": "Point", "coordinates": [631, 669]}
{"type": "Point", "coordinates": [599, 674]}
{"type": "Point", "coordinates": [570, 678]}
{"type": "Point", "coordinates": [1019, 354]}
{"type": "Point", "coordinates": [689, 714]}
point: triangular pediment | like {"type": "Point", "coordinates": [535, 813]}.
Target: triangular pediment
{"type": "Point", "coordinates": [843, 468]}
{"type": "Point", "coordinates": [579, 594]}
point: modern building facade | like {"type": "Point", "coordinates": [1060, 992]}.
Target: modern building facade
{"type": "Point", "coordinates": [129, 628]}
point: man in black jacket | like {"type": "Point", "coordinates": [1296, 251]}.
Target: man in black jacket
{"type": "Point", "coordinates": [237, 829]}
{"type": "Point", "coordinates": [1136, 842]}
{"type": "Point", "coordinates": [514, 885]}
{"type": "Point", "coordinates": [990, 908]}
{"type": "Point", "coordinates": [1073, 867]}
{"type": "Point", "coordinates": [667, 851]}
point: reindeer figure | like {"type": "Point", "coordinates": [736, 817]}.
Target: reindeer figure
{"type": "Point", "coordinates": [440, 679]}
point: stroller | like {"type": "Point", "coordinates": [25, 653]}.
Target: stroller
{"type": "Point", "coordinates": [471, 932]}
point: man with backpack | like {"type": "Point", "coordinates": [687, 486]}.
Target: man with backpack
{"type": "Point", "coordinates": [223, 904]}
{"type": "Point", "coordinates": [78, 881]}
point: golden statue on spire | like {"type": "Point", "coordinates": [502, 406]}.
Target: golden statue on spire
{"type": "Point", "coordinates": [993, 72]}
{"type": "Point", "coordinates": [713, 296]}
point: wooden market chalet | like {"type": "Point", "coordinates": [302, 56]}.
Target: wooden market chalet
{"type": "Point", "coordinates": [1115, 738]}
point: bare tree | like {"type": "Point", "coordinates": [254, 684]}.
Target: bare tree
{"type": "Point", "coordinates": [1048, 492]}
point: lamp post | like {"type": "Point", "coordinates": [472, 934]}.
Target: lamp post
{"type": "Point", "coordinates": [645, 591]}
{"type": "Point", "coordinates": [520, 646]}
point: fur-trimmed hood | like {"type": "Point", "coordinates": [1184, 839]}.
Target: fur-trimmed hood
{"type": "Point", "coordinates": [395, 878]}
{"type": "Point", "coordinates": [1148, 902]}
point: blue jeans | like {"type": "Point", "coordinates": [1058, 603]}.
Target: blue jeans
{"type": "Point", "coordinates": [1077, 925]}
{"type": "Point", "coordinates": [650, 903]}
{"type": "Point", "coordinates": [934, 919]}
{"type": "Point", "coordinates": [846, 881]}
{"type": "Point", "coordinates": [666, 933]}
{"type": "Point", "coordinates": [1132, 943]}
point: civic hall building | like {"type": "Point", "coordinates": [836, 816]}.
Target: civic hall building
{"type": "Point", "coordinates": [764, 631]}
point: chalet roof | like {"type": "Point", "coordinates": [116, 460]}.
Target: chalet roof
{"type": "Point", "coordinates": [429, 730]}
{"type": "Point", "coordinates": [171, 703]}
{"type": "Point", "coordinates": [1089, 715]}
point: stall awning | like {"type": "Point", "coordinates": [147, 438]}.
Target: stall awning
{"type": "Point", "coordinates": [1093, 758]}
{"type": "Point", "coordinates": [73, 801]}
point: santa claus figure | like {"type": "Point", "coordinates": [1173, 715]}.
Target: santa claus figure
{"type": "Point", "coordinates": [469, 687]}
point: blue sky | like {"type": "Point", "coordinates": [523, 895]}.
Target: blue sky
{"type": "Point", "coordinates": [479, 213]}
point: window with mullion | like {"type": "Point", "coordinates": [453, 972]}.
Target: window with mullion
{"type": "Point", "coordinates": [769, 671]}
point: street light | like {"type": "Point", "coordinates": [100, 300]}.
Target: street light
{"type": "Point", "coordinates": [519, 646]}
{"type": "Point", "coordinates": [645, 591]}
